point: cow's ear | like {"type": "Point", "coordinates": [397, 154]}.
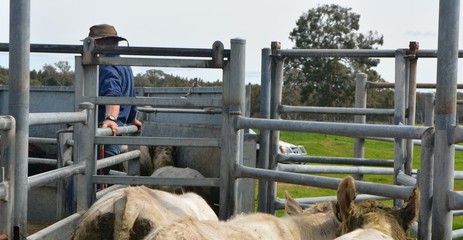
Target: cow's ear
{"type": "Point", "coordinates": [346, 195]}
{"type": "Point", "coordinates": [292, 208]}
{"type": "Point", "coordinates": [410, 208]}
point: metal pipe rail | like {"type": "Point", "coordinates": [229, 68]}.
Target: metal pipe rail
{"type": "Point", "coordinates": [156, 101]}
{"type": "Point", "coordinates": [159, 141]}
{"type": "Point", "coordinates": [42, 140]}
{"type": "Point", "coordinates": [455, 200]}
{"type": "Point", "coordinates": [392, 85]}
{"type": "Point", "coordinates": [142, 51]}
{"type": "Point", "coordinates": [338, 129]}
{"type": "Point", "coordinates": [45, 161]}
{"type": "Point", "coordinates": [183, 90]}
{"type": "Point", "coordinates": [148, 180]}
{"type": "Point", "coordinates": [282, 158]}
{"type": "Point", "coordinates": [116, 159]}
{"type": "Point", "coordinates": [352, 53]}
{"type": "Point", "coordinates": [391, 191]}
{"type": "Point", "coordinates": [121, 130]}
{"type": "Point", "coordinates": [57, 117]}
{"type": "Point", "coordinates": [174, 110]}
{"type": "Point", "coordinates": [6, 123]}
{"type": "Point", "coordinates": [336, 110]}
{"type": "Point", "coordinates": [405, 179]}
{"type": "Point", "coordinates": [149, 62]}
{"type": "Point", "coordinates": [65, 226]}
{"type": "Point", "coordinates": [315, 169]}
{"type": "Point", "coordinates": [53, 175]}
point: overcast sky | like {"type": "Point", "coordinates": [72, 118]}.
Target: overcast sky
{"type": "Point", "coordinates": [198, 24]}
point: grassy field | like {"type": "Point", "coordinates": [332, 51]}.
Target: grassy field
{"type": "Point", "coordinates": [327, 145]}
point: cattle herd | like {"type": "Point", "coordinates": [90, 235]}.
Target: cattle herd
{"type": "Point", "coordinates": [143, 213]}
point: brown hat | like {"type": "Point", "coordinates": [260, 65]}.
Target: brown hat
{"type": "Point", "coordinates": [104, 31]}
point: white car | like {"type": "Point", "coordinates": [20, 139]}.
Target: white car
{"type": "Point", "coordinates": [285, 148]}
{"type": "Point", "coordinates": [291, 149]}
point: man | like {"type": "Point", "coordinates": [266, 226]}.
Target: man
{"type": "Point", "coordinates": [116, 81]}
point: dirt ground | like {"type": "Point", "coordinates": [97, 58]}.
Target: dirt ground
{"type": "Point", "coordinates": [33, 227]}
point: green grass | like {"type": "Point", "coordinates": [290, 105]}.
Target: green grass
{"type": "Point", "coordinates": [335, 146]}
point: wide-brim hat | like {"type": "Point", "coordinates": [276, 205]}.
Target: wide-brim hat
{"type": "Point", "coordinates": [104, 31]}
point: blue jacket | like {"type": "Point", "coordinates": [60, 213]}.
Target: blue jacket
{"type": "Point", "coordinates": [117, 81]}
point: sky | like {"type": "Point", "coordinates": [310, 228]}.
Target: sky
{"type": "Point", "coordinates": [198, 24]}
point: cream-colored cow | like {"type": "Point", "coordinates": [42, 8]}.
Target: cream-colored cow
{"type": "Point", "coordinates": [133, 212]}
{"type": "Point", "coordinates": [316, 223]}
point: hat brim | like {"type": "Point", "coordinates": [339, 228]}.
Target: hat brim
{"type": "Point", "coordinates": [115, 37]}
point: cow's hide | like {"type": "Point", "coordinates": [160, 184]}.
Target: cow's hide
{"type": "Point", "coordinates": [319, 224]}
{"type": "Point", "coordinates": [132, 212]}
{"type": "Point", "coordinates": [175, 172]}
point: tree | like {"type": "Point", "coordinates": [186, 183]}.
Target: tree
{"type": "Point", "coordinates": [3, 76]}
{"type": "Point", "coordinates": [330, 81]}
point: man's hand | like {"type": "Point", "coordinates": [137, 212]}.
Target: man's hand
{"type": "Point", "coordinates": [112, 125]}
{"type": "Point", "coordinates": [137, 123]}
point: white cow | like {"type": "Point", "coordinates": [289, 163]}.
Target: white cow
{"type": "Point", "coordinates": [365, 234]}
{"type": "Point", "coordinates": [318, 224]}
{"type": "Point", "coordinates": [132, 212]}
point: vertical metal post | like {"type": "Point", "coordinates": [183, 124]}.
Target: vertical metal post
{"type": "Point", "coordinates": [445, 116]}
{"type": "Point", "coordinates": [7, 157]}
{"type": "Point", "coordinates": [360, 102]}
{"type": "Point", "coordinates": [425, 183]}
{"type": "Point", "coordinates": [411, 53]}
{"type": "Point", "coordinates": [399, 111]}
{"type": "Point", "coordinates": [84, 141]}
{"type": "Point", "coordinates": [275, 103]}
{"type": "Point", "coordinates": [232, 139]}
{"type": "Point", "coordinates": [86, 85]}
{"type": "Point", "coordinates": [19, 55]}
{"type": "Point", "coordinates": [264, 145]}
{"type": "Point", "coordinates": [429, 109]}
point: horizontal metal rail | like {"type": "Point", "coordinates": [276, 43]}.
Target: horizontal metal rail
{"type": "Point", "coordinates": [53, 175]}
{"type": "Point", "coordinates": [116, 159]}
{"type": "Point", "coordinates": [44, 161]}
{"type": "Point", "coordinates": [317, 169]}
{"type": "Point", "coordinates": [57, 118]}
{"type": "Point", "coordinates": [405, 179]}
{"type": "Point", "coordinates": [148, 180]}
{"type": "Point", "coordinates": [282, 158]}
{"type": "Point", "coordinates": [156, 101]}
{"type": "Point", "coordinates": [42, 140]}
{"type": "Point", "coordinates": [353, 53]}
{"type": "Point", "coordinates": [415, 142]}
{"type": "Point", "coordinates": [143, 51]}
{"type": "Point", "coordinates": [159, 141]}
{"type": "Point", "coordinates": [458, 233]}
{"type": "Point", "coordinates": [121, 130]}
{"type": "Point", "coordinates": [182, 90]}
{"type": "Point", "coordinates": [338, 129]}
{"type": "Point", "coordinates": [455, 200]}
{"type": "Point", "coordinates": [392, 85]}
{"type": "Point", "coordinates": [336, 110]}
{"type": "Point", "coordinates": [6, 122]}
{"type": "Point", "coordinates": [173, 110]}
{"type": "Point", "coordinates": [62, 229]}
{"type": "Point", "coordinates": [391, 191]}
{"type": "Point", "coordinates": [161, 62]}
